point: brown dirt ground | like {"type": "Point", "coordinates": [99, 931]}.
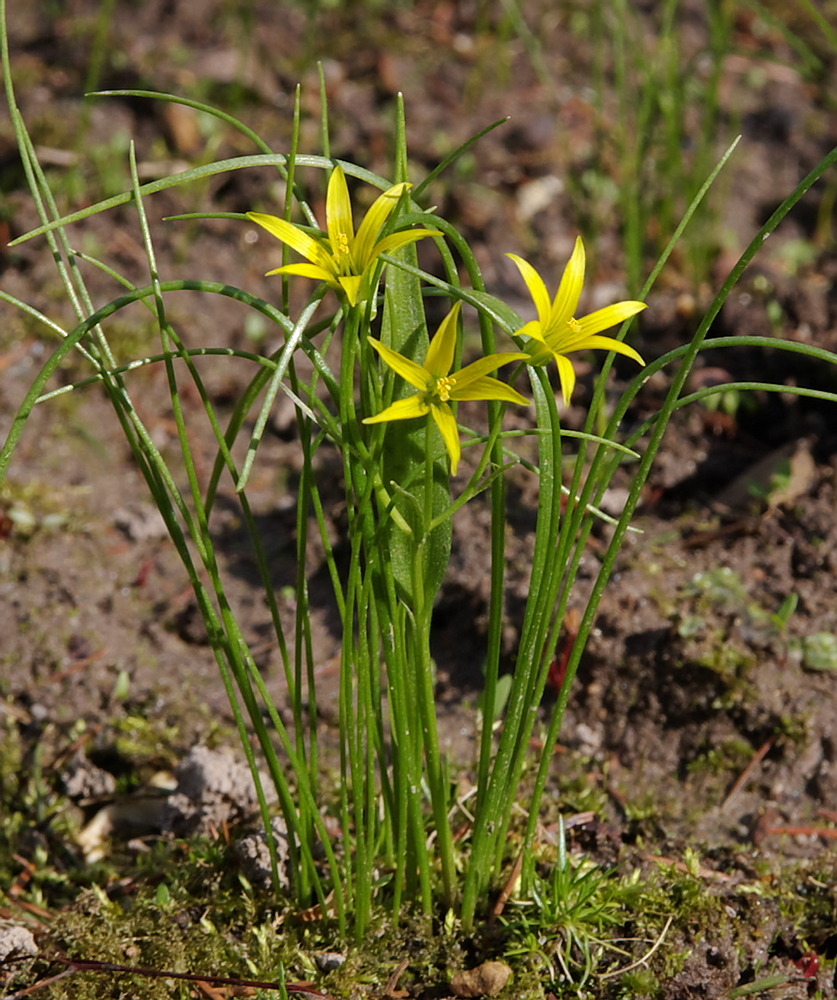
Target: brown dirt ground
{"type": "Point", "coordinates": [688, 684]}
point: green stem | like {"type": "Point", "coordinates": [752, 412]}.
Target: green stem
{"type": "Point", "coordinates": [493, 816]}
{"type": "Point", "coordinates": [436, 772]}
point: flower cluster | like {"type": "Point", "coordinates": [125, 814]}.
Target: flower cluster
{"type": "Point", "coordinates": [349, 263]}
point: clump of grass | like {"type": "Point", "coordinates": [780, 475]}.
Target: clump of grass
{"type": "Point", "coordinates": [371, 384]}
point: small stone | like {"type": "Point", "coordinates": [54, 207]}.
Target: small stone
{"type": "Point", "coordinates": [328, 961]}
{"type": "Point", "coordinates": [254, 855]}
{"type": "Point", "coordinates": [16, 942]}
{"type": "Point", "coordinates": [486, 980]}
{"type": "Point", "coordinates": [213, 788]}
{"type": "Point", "coordinates": [140, 522]}
{"type": "Point", "coordinates": [83, 780]}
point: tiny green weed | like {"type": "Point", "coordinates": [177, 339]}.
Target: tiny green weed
{"type": "Point", "coordinates": [567, 923]}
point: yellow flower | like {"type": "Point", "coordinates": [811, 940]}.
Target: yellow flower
{"type": "Point", "coordinates": [557, 331]}
{"type": "Point", "coordinates": [437, 386]}
{"type": "Point", "coordinates": [341, 257]}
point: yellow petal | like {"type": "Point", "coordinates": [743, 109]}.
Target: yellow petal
{"type": "Point", "coordinates": [536, 286]}
{"type": "Point", "coordinates": [566, 373]}
{"type": "Point", "coordinates": [350, 283]}
{"type": "Point", "coordinates": [490, 363]}
{"type": "Point", "coordinates": [611, 344]}
{"type": "Point", "coordinates": [373, 223]}
{"type": "Point", "coordinates": [446, 422]}
{"type": "Point", "coordinates": [488, 388]}
{"type": "Point", "coordinates": [306, 271]}
{"type": "Point", "coordinates": [402, 409]}
{"type": "Point", "coordinates": [439, 359]}
{"type": "Point", "coordinates": [341, 230]}
{"type": "Point", "coordinates": [603, 319]}
{"type": "Point", "coordinates": [397, 240]}
{"type": "Point", "coordinates": [295, 238]}
{"type": "Point", "coordinates": [565, 303]}
{"type": "Point", "coordinates": [534, 330]}
{"type": "Point", "coordinates": [407, 369]}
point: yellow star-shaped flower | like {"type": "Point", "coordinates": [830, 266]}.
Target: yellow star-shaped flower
{"type": "Point", "coordinates": [438, 386]}
{"type": "Point", "coordinates": [556, 332]}
{"type": "Point", "coordinates": [344, 259]}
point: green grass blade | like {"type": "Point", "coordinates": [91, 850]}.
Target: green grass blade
{"type": "Point", "coordinates": [198, 173]}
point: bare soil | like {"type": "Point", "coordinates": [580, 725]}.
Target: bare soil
{"type": "Point", "coordinates": [704, 712]}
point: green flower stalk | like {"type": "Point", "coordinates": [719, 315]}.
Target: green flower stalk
{"type": "Point", "coordinates": [438, 387]}
{"type": "Point", "coordinates": [342, 258]}
{"type": "Point", "coordinates": [556, 332]}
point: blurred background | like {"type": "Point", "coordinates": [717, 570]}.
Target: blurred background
{"type": "Point", "coordinates": [617, 112]}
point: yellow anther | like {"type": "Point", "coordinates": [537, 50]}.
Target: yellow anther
{"type": "Point", "coordinates": [444, 387]}
{"type": "Point", "coordinates": [574, 325]}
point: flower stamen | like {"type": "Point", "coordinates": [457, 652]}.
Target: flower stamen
{"type": "Point", "coordinates": [444, 387]}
